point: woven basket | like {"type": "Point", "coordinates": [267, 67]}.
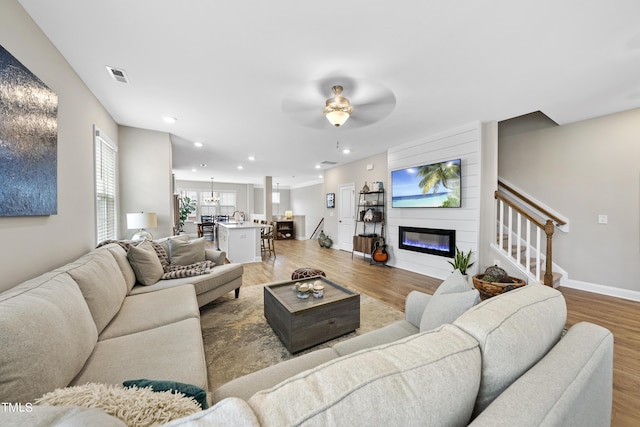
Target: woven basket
{"type": "Point", "coordinates": [491, 289]}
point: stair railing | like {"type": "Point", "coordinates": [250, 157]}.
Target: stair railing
{"type": "Point", "coordinates": [547, 226]}
{"type": "Point", "coordinates": [317, 229]}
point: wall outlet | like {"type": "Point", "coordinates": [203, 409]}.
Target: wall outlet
{"type": "Point", "coordinates": [603, 219]}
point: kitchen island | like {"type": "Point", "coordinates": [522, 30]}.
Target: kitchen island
{"type": "Point", "coordinates": [241, 242]}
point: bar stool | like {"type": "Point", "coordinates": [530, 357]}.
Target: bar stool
{"type": "Point", "coordinates": [266, 240]}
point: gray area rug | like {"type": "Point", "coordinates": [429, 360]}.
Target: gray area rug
{"type": "Point", "coordinates": [238, 340]}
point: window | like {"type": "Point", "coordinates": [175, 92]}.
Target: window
{"type": "Point", "coordinates": [106, 162]}
{"type": "Point", "coordinates": [226, 204]}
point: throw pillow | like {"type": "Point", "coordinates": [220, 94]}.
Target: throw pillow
{"type": "Point", "coordinates": [454, 283]}
{"type": "Point", "coordinates": [447, 308]}
{"type": "Point", "coordinates": [164, 242]}
{"type": "Point", "coordinates": [186, 253]}
{"type": "Point", "coordinates": [189, 390]}
{"type": "Point", "coordinates": [134, 406]}
{"type": "Point", "coordinates": [145, 263]}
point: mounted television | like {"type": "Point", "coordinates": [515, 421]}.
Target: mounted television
{"type": "Point", "coordinates": [435, 185]}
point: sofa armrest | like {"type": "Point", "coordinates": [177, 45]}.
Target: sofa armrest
{"type": "Point", "coordinates": [218, 257]}
{"type": "Point", "coordinates": [571, 386]}
{"type": "Point", "coordinates": [414, 307]}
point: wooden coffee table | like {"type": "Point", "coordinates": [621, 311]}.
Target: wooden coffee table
{"type": "Point", "coordinates": [304, 323]}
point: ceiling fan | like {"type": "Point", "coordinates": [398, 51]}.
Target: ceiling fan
{"type": "Point", "coordinates": [355, 103]}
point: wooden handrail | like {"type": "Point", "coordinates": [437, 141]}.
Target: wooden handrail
{"type": "Point", "coordinates": [546, 226]}
{"type": "Point", "coordinates": [528, 201]}
{"type": "Point", "coordinates": [317, 227]}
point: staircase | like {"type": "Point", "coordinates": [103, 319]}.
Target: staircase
{"type": "Point", "coordinates": [521, 224]}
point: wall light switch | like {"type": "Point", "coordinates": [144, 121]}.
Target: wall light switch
{"type": "Point", "coordinates": [603, 219]}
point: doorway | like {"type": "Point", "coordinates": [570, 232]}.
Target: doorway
{"type": "Point", "coordinates": [346, 217]}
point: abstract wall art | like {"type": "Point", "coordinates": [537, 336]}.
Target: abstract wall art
{"type": "Point", "coordinates": [28, 141]}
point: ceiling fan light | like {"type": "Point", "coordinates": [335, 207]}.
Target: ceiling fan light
{"type": "Point", "coordinates": [337, 108]}
{"type": "Point", "coordinates": [337, 117]}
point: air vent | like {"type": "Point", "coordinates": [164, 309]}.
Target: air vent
{"type": "Point", "coordinates": [118, 75]}
{"type": "Point", "coordinates": [328, 162]}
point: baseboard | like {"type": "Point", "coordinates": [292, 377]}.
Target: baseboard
{"type": "Point", "coordinates": [601, 289]}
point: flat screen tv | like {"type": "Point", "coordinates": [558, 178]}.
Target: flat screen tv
{"type": "Point", "coordinates": [435, 185]}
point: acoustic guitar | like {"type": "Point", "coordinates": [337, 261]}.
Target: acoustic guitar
{"type": "Point", "coordinates": [379, 253]}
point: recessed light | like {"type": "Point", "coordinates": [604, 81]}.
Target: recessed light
{"type": "Point", "coordinates": [251, 158]}
{"type": "Point", "coordinates": [240, 167]}
{"type": "Point", "coordinates": [194, 170]}
{"type": "Point", "coordinates": [318, 166]}
{"type": "Point", "coordinates": [346, 151]}
{"type": "Point", "coordinates": [198, 144]}
{"type": "Point", "coordinates": [319, 176]}
{"type": "Point", "coordinates": [169, 119]}
{"type": "Point", "coordinates": [203, 165]}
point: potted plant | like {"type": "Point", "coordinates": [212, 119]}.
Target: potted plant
{"type": "Point", "coordinates": [461, 261]}
{"type": "Point", "coordinates": [187, 205]}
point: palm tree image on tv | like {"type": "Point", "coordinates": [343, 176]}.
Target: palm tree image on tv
{"type": "Point", "coordinates": [433, 185]}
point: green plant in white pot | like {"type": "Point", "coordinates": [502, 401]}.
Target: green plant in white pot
{"type": "Point", "coordinates": [461, 261]}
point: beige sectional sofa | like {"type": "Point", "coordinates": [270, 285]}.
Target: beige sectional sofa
{"type": "Point", "coordinates": [90, 321]}
{"type": "Point", "coordinates": [506, 361]}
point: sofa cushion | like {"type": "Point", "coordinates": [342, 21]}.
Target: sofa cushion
{"type": "Point", "coordinates": [456, 282]}
{"type": "Point", "coordinates": [186, 252]}
{"type": "Point", "coordinates": [247, 385]}
{"type": "Point", "coordinates": [393, 332]}
{"type": "Point", "coordinates": [145, 262]}
{"type": "Point", "coordinates": [60, 416]}
{"type": "Point", "coordinates": [141, 312]}
{"type": "Point", "coordinates": [123, 262]}
{"type": "Point", "coordinates": [445, 308]}
{"type": "Point", "coordinates": [231, 411]}
{"type": "Point", "coordinates": [102, 284]}
{"type": "Point", "coordinates": [172, 352]}
{"type": "Point", "coordinates": [515, 330]}
{"type": "Point", "coordinates": [220, 275]}
{"type": "Point", "coordinates": [47, 334]}
{"type": "Point", "coordinates": [426, 379]}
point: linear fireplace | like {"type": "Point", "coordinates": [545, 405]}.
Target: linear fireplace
{"type": "Point", "coordinates": [428, 240]}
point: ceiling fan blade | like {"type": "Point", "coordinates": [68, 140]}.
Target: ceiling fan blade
{"type": "Point", "coordinates": [291, 105]}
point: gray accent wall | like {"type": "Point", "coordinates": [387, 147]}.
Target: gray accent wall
{"type": "Point", "coordinates": [144, 158]}
{"type": "Point", "coordinates": [583, 170]}
{"type": "Point", "coordinates": [34, 245]}
{"type": "Point", "coordinates": [310, 203]}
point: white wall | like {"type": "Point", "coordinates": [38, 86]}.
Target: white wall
{"type": "Point", "coordinates": [356, 173]}
{"type": "Point", "coordinates": [583, 170]}
{"type": "Point", "coordinates": [33, 245]}
{"type": "Point", "coordinates": [310, 203]}
{"type": "Point", "coordinates": [144, 158]}
{"type": "Point", "coordinates": [463, 143]}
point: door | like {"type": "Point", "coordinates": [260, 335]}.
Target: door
{"type": "Point", "coordinates": [346, 217]}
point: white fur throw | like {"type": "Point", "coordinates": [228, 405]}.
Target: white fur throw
{"type": "Point", "coordinates": [140, 407]}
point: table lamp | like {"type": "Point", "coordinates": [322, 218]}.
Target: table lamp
{"type": "Point", "coordinates": [288, 214]}
{"type": "Point", "coordinates": [141, 221]}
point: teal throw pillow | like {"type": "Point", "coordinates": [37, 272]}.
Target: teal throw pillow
{"type": "Point", "coordinates": [198, 394]}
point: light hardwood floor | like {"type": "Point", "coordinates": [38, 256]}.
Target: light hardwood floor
{"type": "Point", "coordinates": [391, 285]}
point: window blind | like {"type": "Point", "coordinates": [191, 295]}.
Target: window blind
{"type": "Point", "coordinates": [106, 169]}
